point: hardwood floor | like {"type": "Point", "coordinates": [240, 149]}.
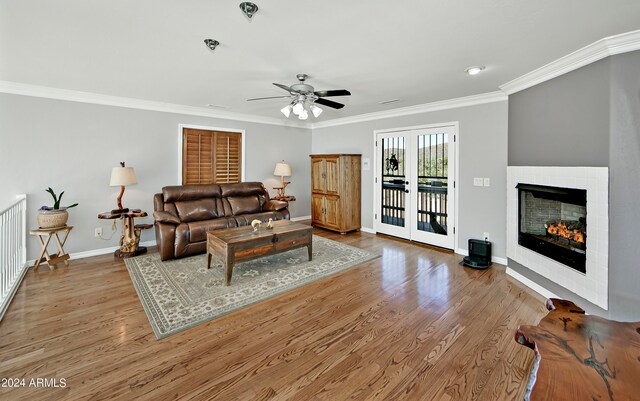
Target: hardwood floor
{"type": "Point", "coordinates": [411, 325]}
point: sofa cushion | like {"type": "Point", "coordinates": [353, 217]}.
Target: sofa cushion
{"type": "Point", "coordinates": [242, 189]}
{"type": "Point", "coordinates": [194, 210]}
{"type": "Point", "coordinates": [198, 229]}
{"type": "Point", "coordinates": [190, 192]}
{"type": "Point", "coordinates": [244, 204]}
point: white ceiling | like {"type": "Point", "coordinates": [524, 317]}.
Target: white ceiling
{"type": "Point", "coordinates": [378, 49]}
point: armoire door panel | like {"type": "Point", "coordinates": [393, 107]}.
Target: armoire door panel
{"type": "Point", "coordinates": [318, 175]}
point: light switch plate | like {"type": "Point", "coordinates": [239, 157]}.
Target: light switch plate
{"type": "Point", "coordinates": [366, 164]}
{"type": "Point", "coordinates": [487, 182]}
{"type": "Point", "coordinates": [477, 181]}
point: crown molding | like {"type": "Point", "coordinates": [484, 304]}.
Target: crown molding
{"type": "Point", "coordinates": [609, 46]}
{"type": "Point", "coordinates": [17, 88]}
{"type": "Point", "coordinates": [473, 100]}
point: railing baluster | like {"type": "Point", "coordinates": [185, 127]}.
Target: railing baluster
{"type": "Point", "coordinates": [13, 256]}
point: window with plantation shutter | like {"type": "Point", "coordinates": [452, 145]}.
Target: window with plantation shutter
{"type": "Point", "coordinates": [211, 157]}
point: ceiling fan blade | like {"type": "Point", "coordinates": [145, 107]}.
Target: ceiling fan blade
{"type": "Point", "coordinates": [329, 103]}
{"type": "Point", "coordinates": [285, 87]}
{"type": "Point", "coordinates": [269, 97]}
{"type": "Point", "coordinates": [335, 92]}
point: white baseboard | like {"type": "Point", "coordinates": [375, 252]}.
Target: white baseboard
{"type": "Point", "coordinates": [494, 259]}
{"type": "Point", "coordinates": [534, 286]}
{"type": "Point", "coordinates": [367, 230]}
{"type": "Point", "coordinates": [95, 252]}
{"type": "Point", "coordinates": [301, 218]}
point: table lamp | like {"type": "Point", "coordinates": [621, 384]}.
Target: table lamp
{"type": "Point", "coordinates": [283, 170]}
{"type": "Point", "coordinates": [122, 176]}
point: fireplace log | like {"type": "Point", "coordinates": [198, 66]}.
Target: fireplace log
{"type": "Point", "coordinates": [582, 357]}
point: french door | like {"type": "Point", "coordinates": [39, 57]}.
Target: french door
{"type": "Point", "coordinates": [415, 188]}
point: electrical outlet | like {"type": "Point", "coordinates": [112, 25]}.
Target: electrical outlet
{"type": "Point", "coordinates": [487, 182]}
{"type": "Point", "coordinates": [98, 232]}
{"type": "Point", "coordinates": [485, 236]}
{"type": "Point", "coordinates": [477, 181]}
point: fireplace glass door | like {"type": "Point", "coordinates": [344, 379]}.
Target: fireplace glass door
{"type": "Point", "coordinates": [553, 222]}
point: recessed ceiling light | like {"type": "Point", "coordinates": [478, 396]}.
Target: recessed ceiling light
{"type": "Point", "coordinates": [217, 106]}
{"type": "Point", "coordinates": [248, 8]}
{"type": "Point", "coordinates": [389, 101]}
{"type": "Point", "coordinates": [475, 69]}
{"type": "Point", "coordinates": [211, 44]}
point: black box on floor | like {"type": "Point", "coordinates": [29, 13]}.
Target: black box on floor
{"type": "Point", "coordinates": [479, 254]}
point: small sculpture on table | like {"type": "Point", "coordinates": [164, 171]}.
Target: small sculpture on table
{"type": "Point", "coordinates": [256, 225]}
{"type": "Point", "coordinates": [270, 224]}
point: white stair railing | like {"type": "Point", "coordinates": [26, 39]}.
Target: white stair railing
{"type": "Point", "coordinates": [13, 250]}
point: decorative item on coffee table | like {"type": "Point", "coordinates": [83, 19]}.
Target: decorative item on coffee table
{"type": "Point", "coordinates": [54, 216]}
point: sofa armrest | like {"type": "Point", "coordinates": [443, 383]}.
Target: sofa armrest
{"type": "Point", "coordinates": [164, 217]}
{"type": "Point", "coordinates": [275, 205]}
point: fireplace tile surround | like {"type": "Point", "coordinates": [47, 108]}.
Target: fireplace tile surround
{"type": "Point", "coordinates": [592, 286]}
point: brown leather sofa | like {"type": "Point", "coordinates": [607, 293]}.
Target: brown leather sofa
{"type": "Point", "coordinates": [183, 214]}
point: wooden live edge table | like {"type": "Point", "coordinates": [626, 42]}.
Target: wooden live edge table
{"type": "Point", "coordinates": [130, 238]}
{"type": "Point", "coordinates": [582, 357]}
{"type": "Point", "coordinates": [242, 243]}
{"type": "Point", "coordinates": [44, 235]}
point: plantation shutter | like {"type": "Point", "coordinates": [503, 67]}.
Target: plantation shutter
{"type": "Point", "coordinates": [211, 157]}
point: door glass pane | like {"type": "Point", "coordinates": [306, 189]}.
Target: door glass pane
{"type": "Point", "coordinates": [433, 167]}
{"type": "Point", "coordinates": [393, 181]}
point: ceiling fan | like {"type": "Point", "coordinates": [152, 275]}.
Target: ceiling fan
{"type": "Point", "coordinates": [304, 98]}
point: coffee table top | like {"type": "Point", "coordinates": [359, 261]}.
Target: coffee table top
{"type": "Point", "coordinates": [246, 233]}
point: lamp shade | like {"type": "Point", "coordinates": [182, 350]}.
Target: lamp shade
{"type": "Point", "coordinates": [286, 110]}
{"type": "Point", "coordinates": [123, 176]}
{"type": "Point", "coordinates": [282, 169]}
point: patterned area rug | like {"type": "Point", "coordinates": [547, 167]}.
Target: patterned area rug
{"type": "Point", "coordinates": [183, 293]}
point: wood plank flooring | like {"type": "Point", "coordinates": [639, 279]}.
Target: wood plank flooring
{"type": "Point", "coordinates": [411, 325]}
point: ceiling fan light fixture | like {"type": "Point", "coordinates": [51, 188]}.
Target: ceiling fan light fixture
{"type": "Point", "coordinates": [286, 110]}
{"type": "Point", "coordinates": [298, 108]}
{"type": "Point", "coordinates": [315, 110]}
{"type": "Point", "coordinates": [303, 115]}
{"type": "Point", "coordinates": [248, 8]}
{"type": "Point", "coordinates": [211, 44]}
{"type": "Point", "coordinates": [475, 70]}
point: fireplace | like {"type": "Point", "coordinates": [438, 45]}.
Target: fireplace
{"type": "Point", "coordinates": [553, 222]}
{"type": "Point", "coordinates": [547, 191]}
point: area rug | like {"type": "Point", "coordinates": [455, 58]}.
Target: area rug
{"type": "Point", "coordinates": [183, 293]}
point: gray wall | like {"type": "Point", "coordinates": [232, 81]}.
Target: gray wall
{"type": "Point", "coordinates": [589, 117]}
{"type": "Point", "coordinates": [73, 146]}
{"type": "Point", "coordinates": [624, 185]}
{"type": "Point", "coordinates": [482, 145]}
{"type": "Point", "coordinates": [562, 122]}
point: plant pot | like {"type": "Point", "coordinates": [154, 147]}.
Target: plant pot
{"type": "Point", "coordinates": [52, 218]}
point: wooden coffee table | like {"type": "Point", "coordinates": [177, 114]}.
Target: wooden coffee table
{"type": "Point", "coordinates": [582, 357]}
{"type": "Point", "coordinates": [242, 243]}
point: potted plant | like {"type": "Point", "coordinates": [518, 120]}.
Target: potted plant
{"type": "Point", "coordinates": [56, 216]}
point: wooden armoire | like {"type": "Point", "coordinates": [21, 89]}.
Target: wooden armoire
{"type": "Point", "coordinates": [335, 192]}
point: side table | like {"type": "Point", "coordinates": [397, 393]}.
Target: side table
{"type": "Point", "coordinates": [44, 235]}
{"type": "Point", "coordinates": [285, 198]}
{"type": "Point", "coordinates": [130, 238]}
